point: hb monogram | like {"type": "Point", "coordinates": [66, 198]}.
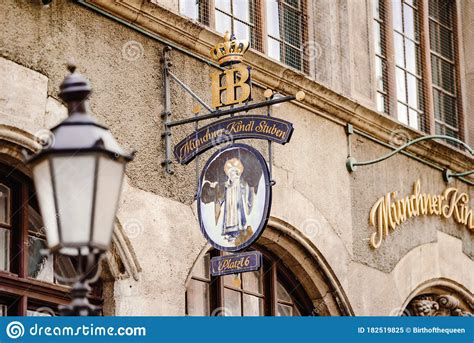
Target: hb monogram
{"type": "Point", "coordinates": [230, 87]}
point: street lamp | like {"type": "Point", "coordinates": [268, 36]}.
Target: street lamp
{"type": "Point", "coordinates": [78, 179]}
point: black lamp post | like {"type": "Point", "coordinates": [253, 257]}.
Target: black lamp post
{"type": "Point", "coordinates": [78, 180]}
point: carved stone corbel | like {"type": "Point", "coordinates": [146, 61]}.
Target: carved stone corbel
{"type": "Point", "coordinates": [437, 305]}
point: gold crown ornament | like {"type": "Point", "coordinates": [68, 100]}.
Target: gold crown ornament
{"type": "Point", "coordinates": [229, 52]}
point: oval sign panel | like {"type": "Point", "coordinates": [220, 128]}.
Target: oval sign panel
{"type": "Point", "coordinates": [234, 197]}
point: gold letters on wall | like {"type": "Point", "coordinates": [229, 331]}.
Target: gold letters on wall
{"type": "Point", "coordinates": [388, 212]}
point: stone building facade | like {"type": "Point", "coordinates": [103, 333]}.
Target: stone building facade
{"type": "Point", "coordinates": [318, 239]}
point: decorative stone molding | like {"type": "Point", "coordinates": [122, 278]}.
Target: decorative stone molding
{"type": "Point", "coordinates": [121, 258]}
{"type": "Point", "coordinates": [14, 143]}
{"type": "Point", "coordinates": [20, 138]}
{"type": "Point", "coordinates": [430, 305]}
{"type": "Point", "coordinates": [309, 266]}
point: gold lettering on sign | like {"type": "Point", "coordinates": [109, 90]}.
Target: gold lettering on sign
{"type": "Point", "coordinates": [234, 83]}
{"type": "Point", "coordinates": [235, 127]}
{"type": "Point", "coordinates": [271, 130]}
{"type": "Point", "coordinates": [389, 212]}
{"type": "Point", "coordinates": [229, 264]}
{"type": "Point", "coordinates": [262, 127]}
{"type": "Point", "coordinates": [194, 144]}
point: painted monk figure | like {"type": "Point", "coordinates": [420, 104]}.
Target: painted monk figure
{"type": "Point", "coordinates": [238, 201]}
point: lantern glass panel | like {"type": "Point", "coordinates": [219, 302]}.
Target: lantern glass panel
{"type": "Point", "coordinates": [74, 186]}
{"type": "Point", "coordinates": [109, 183]}
{"type": "Point", "coordinates": [44, 192]}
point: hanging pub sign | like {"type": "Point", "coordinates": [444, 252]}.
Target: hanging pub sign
{"type": "Point", "coordinates": [231, 129]}
{"type": "Point", "coordinates": [234, 197]}
{"type": "Point", "coordinates": [233, 264]}
{"type": "Point", "coordinates": [234, 187]}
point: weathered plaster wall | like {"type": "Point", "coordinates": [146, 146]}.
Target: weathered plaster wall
{"type": "Point", "coordinates": [314, 163]}
{"type": "Point", "coordinates": [314, 192]}
{"type": "Point", "coordinates": [331, 42]}
{"type": "Point", "coordinates": [166, 239]}
{"type": "Point", "coordinates": [398, 173]}
{"type": "Point", "coordinates": [375, 292]}
{"type": "Point", "coordinates": [361, 52]}
{"type": "Point", "coordinates": [127, 87]}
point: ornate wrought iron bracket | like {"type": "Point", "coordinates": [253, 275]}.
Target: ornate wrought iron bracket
{"type": "Point", "coordinates": [168, 76]}
{"type": "Point", "coordinates": [166, 114]}
{"type": "Point", "coordinates": [448, 175]}
{"type": "Point", "coordinates": [352, 164]}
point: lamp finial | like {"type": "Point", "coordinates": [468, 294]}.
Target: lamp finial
{"type": "Point", "coordinates": [71, 65]}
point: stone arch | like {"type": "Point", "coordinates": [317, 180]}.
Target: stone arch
{"type": "Point", "coordinates": [440, 260]}
{"type": "Point", "coordinates": [439, 297]}
{"type": "Point", "coordinates": [307, 264]}
{"type": "Point", "coordinates": [14, 144]}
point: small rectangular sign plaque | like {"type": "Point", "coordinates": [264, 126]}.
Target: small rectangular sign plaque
{"type": "Point", "coordinates": [236, 263]}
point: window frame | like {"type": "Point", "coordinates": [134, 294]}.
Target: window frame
{"type": "Point", "coordinates": [455, 62]}
{"type": "Point", "coordinates": [273, 272]}
{"type": "Point", "coordinates": [428, 121]}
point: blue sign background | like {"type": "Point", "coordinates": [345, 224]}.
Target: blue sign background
{"type": "Point", "coordinates": [263, 329]}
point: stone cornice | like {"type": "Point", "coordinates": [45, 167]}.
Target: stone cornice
{"type": "Point", "coordinates": [197, 40]}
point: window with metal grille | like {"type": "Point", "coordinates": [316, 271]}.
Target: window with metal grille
{"type": "Point", "coordinates": [195, 9]}
{"type": "Point", "coordinates": [408, 70]}
{"type": "Point", "coordinates": [239, 18]}
{"type": "Point", "coordinates": [443, 67]}
{"type": "Point", "coordinates": [285, 22]}
{"type": "Point", "coordinates": [416, 64]}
